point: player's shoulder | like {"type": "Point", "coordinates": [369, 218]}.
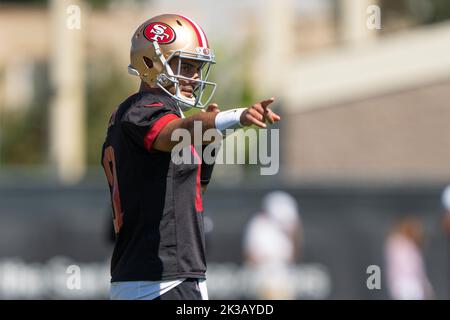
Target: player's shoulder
{"type": "Point", "coordinates": [146, 104]}
{"type": "Point", "coordinates": [152, 100]}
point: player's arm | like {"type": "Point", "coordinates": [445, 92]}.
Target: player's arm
{"type": "Point", "coordinates": [257, 114]}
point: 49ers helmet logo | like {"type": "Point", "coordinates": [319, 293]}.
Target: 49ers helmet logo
{"type": "Point", "coordinates": [159, 32]}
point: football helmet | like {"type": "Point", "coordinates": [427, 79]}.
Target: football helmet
{"type": "Point", "coordinates": [159, 40]}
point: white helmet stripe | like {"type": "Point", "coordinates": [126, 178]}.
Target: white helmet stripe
{"type": "Point", "coordinates": [200, 34]}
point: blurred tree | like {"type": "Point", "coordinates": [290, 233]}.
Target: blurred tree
{"type": "Point", "coordinates": [106, 89]}
{"type": "Point", "coordinates": [24, 136]}
{"type": "Point", "coordinates": [24, 131]}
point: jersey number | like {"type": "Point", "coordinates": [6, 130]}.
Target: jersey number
{"type": "Point", "coordinates": [109, 164]}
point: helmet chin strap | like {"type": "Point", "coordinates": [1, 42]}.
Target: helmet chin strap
{"type": "Point", "coordinates": [183, 105]}
{"type": "Point", "coordinates": [183, 102]}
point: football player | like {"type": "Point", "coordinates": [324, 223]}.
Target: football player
{"type": "Point", "coordinates": [157, 205]}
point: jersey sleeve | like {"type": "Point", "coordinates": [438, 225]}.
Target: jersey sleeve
{"type": "Point", "coordinates": [142, 124]}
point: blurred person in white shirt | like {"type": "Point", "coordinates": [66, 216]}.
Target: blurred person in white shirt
{"type": "Point", "coordinates": [272, 244]}
{"type": "Point", "coordinates": [406, 272]}
{"type": "Point", "coordinates": [446, 205]}
{"type": "Point", "coordinates": [446, 225]}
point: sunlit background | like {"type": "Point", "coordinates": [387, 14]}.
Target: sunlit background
{"type": "Point", "coordinates": [364, 142]}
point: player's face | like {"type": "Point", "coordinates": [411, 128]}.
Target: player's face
{"type": "Point", "coordinates": [189, 69]}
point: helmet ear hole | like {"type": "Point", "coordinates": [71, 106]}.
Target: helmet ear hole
{"type": "Point", "coordinates": [148, 62]}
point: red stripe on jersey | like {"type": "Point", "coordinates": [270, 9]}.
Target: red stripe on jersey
{"type": "Point", "coordinates": [156, 104]}
{"type": "Point", "coordinates": [198, 189]}
{"type": "Point", "coordinates": [156, 128]}
{"type": "Point", "coordinates": [197, 32]}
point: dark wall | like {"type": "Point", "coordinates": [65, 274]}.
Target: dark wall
{"type": "Point", "coordinates": [344, 227]}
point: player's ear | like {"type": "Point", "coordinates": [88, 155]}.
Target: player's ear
{"type": "Point", "coordinates": [148, 62]}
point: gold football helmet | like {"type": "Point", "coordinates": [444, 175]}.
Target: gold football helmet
{"type": "Point", "coordinates": [162, 38]}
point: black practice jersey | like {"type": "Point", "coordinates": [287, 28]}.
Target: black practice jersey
{"type": "Point", "coordinates": [157, 204]}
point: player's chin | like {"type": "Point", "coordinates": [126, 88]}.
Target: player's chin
{"type": "Point", "coordinates": [187, 94]}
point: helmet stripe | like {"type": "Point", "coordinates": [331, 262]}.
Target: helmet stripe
{"type": "Point", "coordinates": [201, 37]}
{"type": "Point", "coordinates": [204, 35]}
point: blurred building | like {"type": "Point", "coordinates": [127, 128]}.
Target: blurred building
{"type": "Point", "coordinates": [372, 112]}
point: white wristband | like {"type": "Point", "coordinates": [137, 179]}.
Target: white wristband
{"type": "Point", "coordinates": [229, 119]}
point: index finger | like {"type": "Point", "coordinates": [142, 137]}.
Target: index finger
{"type": "Point", "coordinates": [265, 103]}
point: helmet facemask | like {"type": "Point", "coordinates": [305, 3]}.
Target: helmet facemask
{"type": "Point", "coordinates": [203, 90]}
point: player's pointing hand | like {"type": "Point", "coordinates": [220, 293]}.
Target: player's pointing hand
{"type": "Point", "coordinates": [259, 113]}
